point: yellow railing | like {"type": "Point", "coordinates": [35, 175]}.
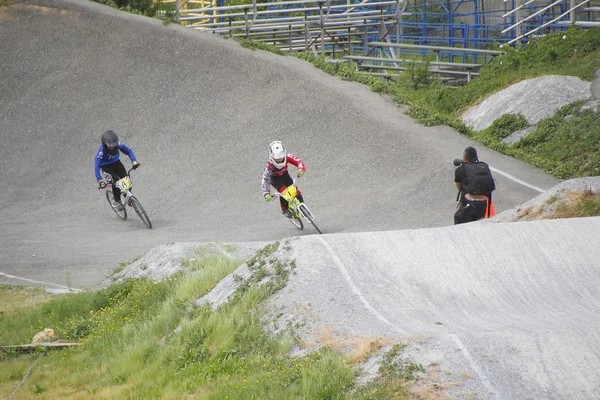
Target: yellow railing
{"type": "Point", "coordinates": [193, 4]}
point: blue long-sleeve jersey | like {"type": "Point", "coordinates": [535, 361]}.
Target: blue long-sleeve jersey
{"type": "Point", "coordinates": [104, 158]}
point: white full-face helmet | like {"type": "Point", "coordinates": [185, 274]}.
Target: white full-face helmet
{"type": "Point", "coordinates": [277, 154]}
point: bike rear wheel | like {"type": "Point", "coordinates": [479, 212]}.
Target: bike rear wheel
{"type": "Point", "coordinates": [110, 197]}
{"type": "Point", "coordinates": [139, 210]}
{"type": "Point", "coordinates": [308, 215]}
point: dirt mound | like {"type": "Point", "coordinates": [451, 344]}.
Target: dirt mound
{"type": "Point", "coordinates": [561, 201]}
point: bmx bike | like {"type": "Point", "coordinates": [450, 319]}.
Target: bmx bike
{"type": "Point", "coordinates": [299, 209]}
{"type": "Point", "coordinates": [127, 198]}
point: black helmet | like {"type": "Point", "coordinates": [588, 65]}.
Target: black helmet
{"type": "Point", "coordinates": [110, 140]}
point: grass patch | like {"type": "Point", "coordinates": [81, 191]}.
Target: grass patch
{"type": "Point", "coordinates": [15, 299]}
{"type": "Point", "coordinates": [150, 8]}
{"type": "Point", "coordinates": [256, 45]}
{"type": "Point", "coordinates": [572, 204]}
{"type": "Point", "coordinates": [147, 340]}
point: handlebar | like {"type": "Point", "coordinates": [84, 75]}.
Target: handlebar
{"type": "Point", "coordinates": [110, 183]}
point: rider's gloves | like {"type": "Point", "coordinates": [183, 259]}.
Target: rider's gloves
{"type": "Point", "coordinates": [135, 165]}
{"type": "Point", "coordinates": [300, 173]}
{"type": "Point", "coordinates": [101, 185]}
{"type": "Point", "coordinates": [268, 197]}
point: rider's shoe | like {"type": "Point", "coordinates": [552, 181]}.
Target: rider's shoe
{"type": "Point", "coordinates": [288, 213]}
{"type": "Point", "coordinates": [118, 206]}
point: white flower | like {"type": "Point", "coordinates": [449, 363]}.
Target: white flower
{"type": "Point", "coordinates": [564, 37]}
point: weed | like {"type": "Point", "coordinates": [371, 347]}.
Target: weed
{"type": "Point", "coordinates": [393, 366]}
{"type": "Point", "coordinates": [229, 248]}
{"type": "Point", "coordinates": [256, 45]}
{"type": "Point", "coordinates": [551, 199]}
{"type": "Point", "coordinates": [507, 124]}
{"type": "Point", "coordinates": [39, 389]}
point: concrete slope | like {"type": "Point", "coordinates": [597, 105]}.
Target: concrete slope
{"type": "Point", "coordinates": [199, 111]}
{"type": "Point", "coordinates": [505, 311]}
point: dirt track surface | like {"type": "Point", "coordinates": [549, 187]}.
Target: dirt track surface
{"type": "Point", "coordinates": [199, 112]}
{"type": "Point", "coordinates": [514, 321]}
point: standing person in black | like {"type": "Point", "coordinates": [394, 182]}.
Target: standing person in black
{"type": "Point", "coordinates": [474, 180]}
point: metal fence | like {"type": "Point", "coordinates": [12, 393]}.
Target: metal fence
{"type": "Point", "coordinates": [338, 28]}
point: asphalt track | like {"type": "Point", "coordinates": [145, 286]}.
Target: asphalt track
{"type": "Point", "coordinates": [516, 321]}
{"type": "Point", "coordinates": [199, 111]}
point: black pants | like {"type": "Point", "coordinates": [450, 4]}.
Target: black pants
{"type": "Point", "coordinates": [282, 182]}
{"type": "Point", "coordinates": [116, 171]}
{"type": "Point", "coordinates": [470, 210]}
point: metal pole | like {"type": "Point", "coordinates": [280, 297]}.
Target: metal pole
{"type": "Point", "coordinates": [177, 10]}
{"type": "Point", "coordinates": [365, 38]}
{"type": "Point", "coordinates": [322, 29]}
{"type": "Point", "coordinates": [424, 22]}
{"type": "Point", "coordinates": [519, 32]}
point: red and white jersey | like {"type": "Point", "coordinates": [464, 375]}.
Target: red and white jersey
{"type": "Point", "coordinates": [272, 171]}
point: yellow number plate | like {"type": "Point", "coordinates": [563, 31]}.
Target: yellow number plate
{"type": "Point", "coordinates": [124, 183]}
{"type": "Point", "coordinates": [289, 193]}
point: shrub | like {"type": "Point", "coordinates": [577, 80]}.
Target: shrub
{"type": "Point", "coordinates": [507, 124]}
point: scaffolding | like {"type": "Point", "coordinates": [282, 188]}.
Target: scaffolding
{"type": "Point", "coordinates": [334, 28]}
{"type": "Point", "coordinates": [483, 23]}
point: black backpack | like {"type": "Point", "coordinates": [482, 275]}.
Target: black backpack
{"type": "Point", "coordinates": [479, 178]}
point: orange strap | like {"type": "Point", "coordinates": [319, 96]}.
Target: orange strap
{"type": "Point", "coordinates": [489, 209]}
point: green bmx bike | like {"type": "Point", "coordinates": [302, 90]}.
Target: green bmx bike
{"type": "Point", "coordinates": [299, 209]}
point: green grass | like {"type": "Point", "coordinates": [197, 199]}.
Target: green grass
{"type": "Point", "coordinates": [16, 298]}
{"type": "Point", "coordinates": [150, 8]}
{"type": "Point", "coordinates": [146, 340]}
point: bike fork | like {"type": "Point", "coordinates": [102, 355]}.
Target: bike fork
{"type": "Point", "coordinates": [125, 198]}
{"type": "Point", "coordinates": [302, 207]}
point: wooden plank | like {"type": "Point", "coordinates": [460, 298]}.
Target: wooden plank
{"type": "Point", "coordinates": [29, 348]}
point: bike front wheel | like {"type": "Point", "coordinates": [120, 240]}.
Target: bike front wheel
{"type": "Point", "coordinates": [139, 210]}
{"type": "Point", "coordinates": [110, 197]}
{"type": "Point", "coordinates": [297, 222]}
{"type": "Point", "coordinates": [308, 215]}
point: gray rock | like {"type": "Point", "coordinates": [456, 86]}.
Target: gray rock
{"type": "Point", "coordinates": [597, 74]}
{"type": "Point", "coordinates": [593, 105]}
{"type": "Point", "coordinates": [165, 260]}
{"type": "Point", "coordinates": [595, 89]}
{"type": "Point", "coordinates": [535, 99]}
{"type": "Point", "coordinates": [518, 135]}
